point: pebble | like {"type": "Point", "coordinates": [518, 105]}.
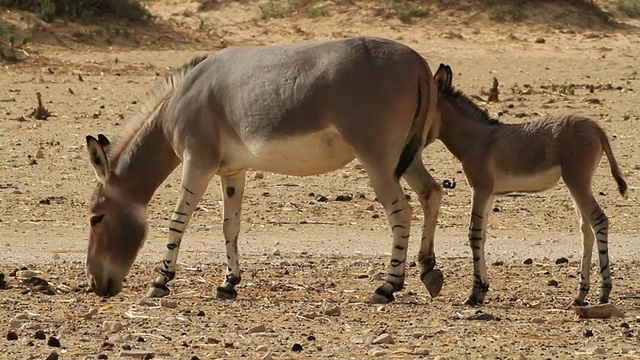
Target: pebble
{"type": "Point", "coordinates": [480, 315]}
{"type": "Point", "coordinates": [168, 303]}
{"type": "Point", "coordinates": [538, 320]}
{"type": "Point", "coordinates": [56, 256]}
{"type": "Point", "coordinates": [528, 261]}
{"type": "Point", "coordinates": [561, 260]}
{"type": "Point", "coordinates": [258, 176]}
{"type": "Point", "coordinates": [257, 329]}
{"type": "Point", "coordinates": [145, 301]}
{"type": "Point", "coordinates": [417, 334]}
{"type": "Point", "coordinates": [53, 356]}
{"type": "Point", "coordinates": [40, 335]}
{"type": "Point", "coordinates": [333, 311]}
{"type": "Point", "coordinates": [15, 323]}
{"type": "Point", "coordinates": [25, 274]}
{"type": "Point", "coordinates": [624, 325]}
{"type": "Point", "coordinates": [296, 347]}
{"type": "Point", "coordinates": [39, 154]}
{"type": "Point", "coordinates": [53, 342]}
{"type": "Point", "coordinates": [140, 354]}
{"type": "Point", "coordinates": [540, 40]}
{"type": "Point", "coordinates": [103, 356]}
{"type": "Point", "coordinates": [114, 326]}
{"type": "Point", "coordinates": [275, 252]}
{"type": "Point", "coordinates": [598, 351]}
{"type": "Point", "coordinates": [262, 348]}
{"type": "Point", "coordinates": [552, 282]}
{"type": "Point", "coordinates": [383, 339]}
{"type": "Point", "coordinates": [377, 353]}
{"type": "Point", "coordinates": [587, 333]}
{"type": "Point", "coordinates": [89, 314]}
{"type": "Point", "coordinates": [421, 352]}
{"type": "Point", "coordinates": [11, 336]}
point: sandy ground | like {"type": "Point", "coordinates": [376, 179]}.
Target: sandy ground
{"type": "Point", "coordinates": [309, 267]}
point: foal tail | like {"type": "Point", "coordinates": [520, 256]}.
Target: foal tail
{"type": "Point", "coordinates": [615, 170]}
{"type": "Point", "coordinates": [415, 139]}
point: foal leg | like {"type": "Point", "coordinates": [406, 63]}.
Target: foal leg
{"type": "Point", "coordinates": [429, 194]}
{"type": "Point", "coordinates": [233, 190]}
{"type": "Point", "coordinates": [195, 179]}
{"type": "Point", "coordinates": [398, 211]}
{"type": "Point", "coordinates": [480, 204]}
{"type": "Point", "coordinates": [585, 264]}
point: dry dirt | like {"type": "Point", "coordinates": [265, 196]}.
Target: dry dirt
{"type": "Point", "coordinates": [304, 260]}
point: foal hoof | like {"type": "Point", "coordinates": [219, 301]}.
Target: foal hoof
{"type": "Point", "coordinates": [380, 296]}
{"type": "Point", "coordinates": [158, 291]}
{"type": "Point", "coordinates": [471, 301]}
{"type": "Point", "coordinates": [578, 302]}
{"type": "Point", "coordinates": [433, 280]}
{"type": "Point", "coordinates": [226, 293]}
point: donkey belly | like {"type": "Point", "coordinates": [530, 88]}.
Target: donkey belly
{"type": "Point", "coordinates": [507, 183]}
{"type": "Point", "coordinates": [304, 154]}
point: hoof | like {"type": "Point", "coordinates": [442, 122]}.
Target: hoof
{"type": "Point", "coordinates": [158, 291]}
{"type": "Point", "coordinates": [227, 293]}
{"type": "Point", "coordinates": [381, 296]}
{"type": "Point", "coordinates": [471, 301]}
{"type": "Point", "coordinates": [603, 300]}
{"type": "Point", "coordinates": [578, 302]}
{"type": "Point", "coordinates": [433, 280]}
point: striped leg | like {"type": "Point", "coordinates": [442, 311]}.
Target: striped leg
{"type": "Point", "coordinates": [194, 184]}
{"type": "Point", "coordinates": [233, 190]}
{"type": "Point", "coordinates": [429, 194]}
{"type": "Point", "coordinates": [585, 265]}
{"type": "Point", "coordinates": [480, 204]}
{"type": "Point", "coordinates": [398, 212]}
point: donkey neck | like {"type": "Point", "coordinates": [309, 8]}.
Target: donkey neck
{"type": "Point", "coordinates": [462, 129]}
{"type": "Point", "coordinates": [145, 162]}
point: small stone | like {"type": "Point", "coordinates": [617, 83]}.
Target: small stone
{"type": "Point", "coordinates": [11, 336]}
{"type": "Point", "coordinates": [377, 353]}
{"type": "Point", "coordinates": [53, 342]}
{"type": "Point", "coordinates": [333, 311]}
{"type": "Point", "coordinates": [168, 303]}
{"type": "Point", "coordinates": [275, 252]}
{"type": "Point", "coordinates": [200, 313]}
{"type": "Point", "coordinates": [417, 335]}
{"type": "Point", "coordinates": [296, 347]}
{"type": "Point", "coordinates": [322, 198]}
{"type": "Point", "coordinates": [624, 325]}
{"type": "Point", "coordinates": [344, 197]}
{"type": "Point", "coordinates": [103, 356]}
{"type": "Point", "coordinates": [311, 338]}
{"type": "Point", "coordinates": [538, 320]}
{"type": "Point", "coordinates": [40, 335]}
{"type": "Point", "coordinates": [587, 333]}
{"type": "Point", "coordinates": [527, 261]}
{"type": "Point", "coordinates": [498, 263]}
{"type": "Point", "coordinates": [552, 282]}
{"type": "Point", "coordinates": [262, 348]}
{"type": "Point", "coordinates": [561, 260]}
{"type": "Point", "coordinates": [89, 314]}
{"type": "Point", "coordinates": [258, 176]}
{"type": "Point", "coordinates": [194, 357]}
{"type": "Point", "coordinates": [211, 340]}
{"type": "Point", "coordinates": [383, 339]}
{"type": "Point", "coordinates": [256, 329]}
{"type": "Point", "coordinates": [15, 323]}
{"type": "Point", "coordinates": [421, 352]}
{"type": "Point", "coordinates": [26, 274]}
{"type": "Point", "coordinates": [145, 301]}
{"type": "Point", "coordinates": [481, 315]}
{"type": "Point", "coordinates": [114, 326]}
{"type": "Point", "coordinates": [140, 354]}
{"type": "Point", "coordinates": [598, 351]}
{"type": "Point", "coordinates": [53, 356]}
{"type": "Point", "coordinates": [39, 154]}
{"type": "Point", "coordinates": [540, 40]}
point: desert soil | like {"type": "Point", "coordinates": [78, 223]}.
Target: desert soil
{"type": "Point", "coordinates": [309, 267]}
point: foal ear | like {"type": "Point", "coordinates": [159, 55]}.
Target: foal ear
{"type": "Point", "coordinates": [98, 157]}
{"type": "Point", "coordinates": [444, 78]}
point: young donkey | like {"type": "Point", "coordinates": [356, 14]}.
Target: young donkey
{"type": "Point", "coordinates": [294, 109]}
{"type": "Point", "coordinates": [500, 158]}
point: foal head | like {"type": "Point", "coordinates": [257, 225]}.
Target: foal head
{"type": "Point", "coordinates": [118, 226]}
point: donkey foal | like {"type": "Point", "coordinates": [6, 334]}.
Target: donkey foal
{"type": "Point", "coordinates": [499, 158]}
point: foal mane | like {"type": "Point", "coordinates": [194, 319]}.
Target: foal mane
{"type": "Point", "coordinates": [462, 102]}
{"type": "Point", "coordinates": [155, 98]}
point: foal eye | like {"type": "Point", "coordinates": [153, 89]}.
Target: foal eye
{"type": "Point", "coordinates": [95, 219]}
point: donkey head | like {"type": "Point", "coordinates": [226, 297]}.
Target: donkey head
{"type": "Point", "coordinates": [118, 226]}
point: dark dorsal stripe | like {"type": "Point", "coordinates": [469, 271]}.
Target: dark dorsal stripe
{"type": "Point", "coordinates": [461, 102]}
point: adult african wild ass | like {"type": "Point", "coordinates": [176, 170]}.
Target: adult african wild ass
{"type": "Point", "coordinates": [500, 158]}
{"type": "Point", "coordinates": [296, 109]}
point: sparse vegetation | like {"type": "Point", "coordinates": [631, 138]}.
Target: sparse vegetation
{"type": "Point", "coordinates": [406, 10]}
{"type": "Point", "coordinates": [629, 7]}
{"type": "Point", "coordinates": [318, 11]}
{"type": "Point", "coordinates": [277, 9]}
{"type": "Point", "coordinates": [81, 10]}
{"type": "Point", "coordinates": [564, 89]}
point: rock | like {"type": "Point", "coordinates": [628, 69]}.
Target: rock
{"type": "Point", "coordinates": [262, 348]}
{"type": "Point", "coordinates": [103, 356]}
{"type": "Point", "coordinates": [417, 334]}
{"type": "Point", "coordinates": [344, 197]}
{"type": "Point", "coordinates": [561, 260]}
{"type": "Point", "coordinates": [421, 352]}
{"type": "Point", "coordinates": [598, 351]}
{"type": "Point", "coordinates": [540, 40]}
{"type": "Point", "coordinates": [258, 176]}
{"type": "Point", "coordinates": [333, 311]}
{"type": "Point", "coordinates": [538, 320]}
{"type": "Point", "coordinates": [256, 329]}
{"type": "Point", "coordinates": [552, 282]}
{"type": "Point", "coordinates": [377, 353]}
{"type": "Point", "coordinates": [26, 274]}
{"type": "Point", "coordinates": [587, 333]}
{"type": "Point", "coordinates": [481, 315]}
{"type": "Point", "coordinates": [139, 354]}
{"type": "Point", "coordinates": [275, 252]}
{"type": "Point", "coordinates": [15, 323]}
{"type": "Point", "coordinates": [53, 356]}
{"type": "Point", "coordinates": [40, 335]}
{"type": "Point", "coordinates": [624, 325]}
{"type": "Point", "coordinates": [527, 261]}
{"type": "Point", "coordinates": [53, 342]}
{"type": "Point", "coordinates": [200, 313]}
{"type": "Point", "coordinates": [114, 326]}
{"type": "Point", "coordinates": [145, 301]}
{"type": "Point", "coordinates": [383, 338]}
{"type": "Point", "coordinates": [296, 347]}
{"type": "Point", "coordinates": [322, 198]}
{"type": "Point", "coordinates": [39, 154]}
{"type": "Point", "coordinates": [12, 335]}
{"type": "Point", "coordinates": [168, 303]}
{"type": "Point", "coordinates": [89, 314]}
{"type": "Point", "coordinates": [498, 263]}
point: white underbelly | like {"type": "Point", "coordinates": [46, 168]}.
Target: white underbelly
{"type": "Point", "coordinates": [307, 154]}
{"type": "Point", "coordinates": [507, 183]}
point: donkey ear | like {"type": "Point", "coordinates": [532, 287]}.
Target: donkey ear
{"type": "Point", "coordinates": [103, 141]}
{"type": "Point", "coordinates": [444, 78]}
{"type": "Point", "coordinates": [98, 157]}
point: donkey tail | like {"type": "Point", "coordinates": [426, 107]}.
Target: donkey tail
{"type": "Point", "coordinates": [615, 170]}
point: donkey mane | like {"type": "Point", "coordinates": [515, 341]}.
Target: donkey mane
{"type": "Point", "coordinates": [462, 102]}
{"type": "Point", "coordinates": [155, 98]}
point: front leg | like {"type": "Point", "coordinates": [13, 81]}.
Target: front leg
{"type": "Point", "coordinates": [233, 190]}
{"type": "Point", "coordinates": [481, 201]}
{"type": "Point", "coordinates": [194, 184]}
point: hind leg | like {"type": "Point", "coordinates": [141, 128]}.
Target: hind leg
{"type": "Point", "coordinates": [429, 195]}
{"type": "Point", "coordinates": [585, 263]}
{"type": "Point", "coordinates": [232, 190]}
{"type": "Point", "coordinates": [480, 204]}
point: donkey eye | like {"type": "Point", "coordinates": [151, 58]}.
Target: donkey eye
{"type": "Point", "coordinates": [95, 219]}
